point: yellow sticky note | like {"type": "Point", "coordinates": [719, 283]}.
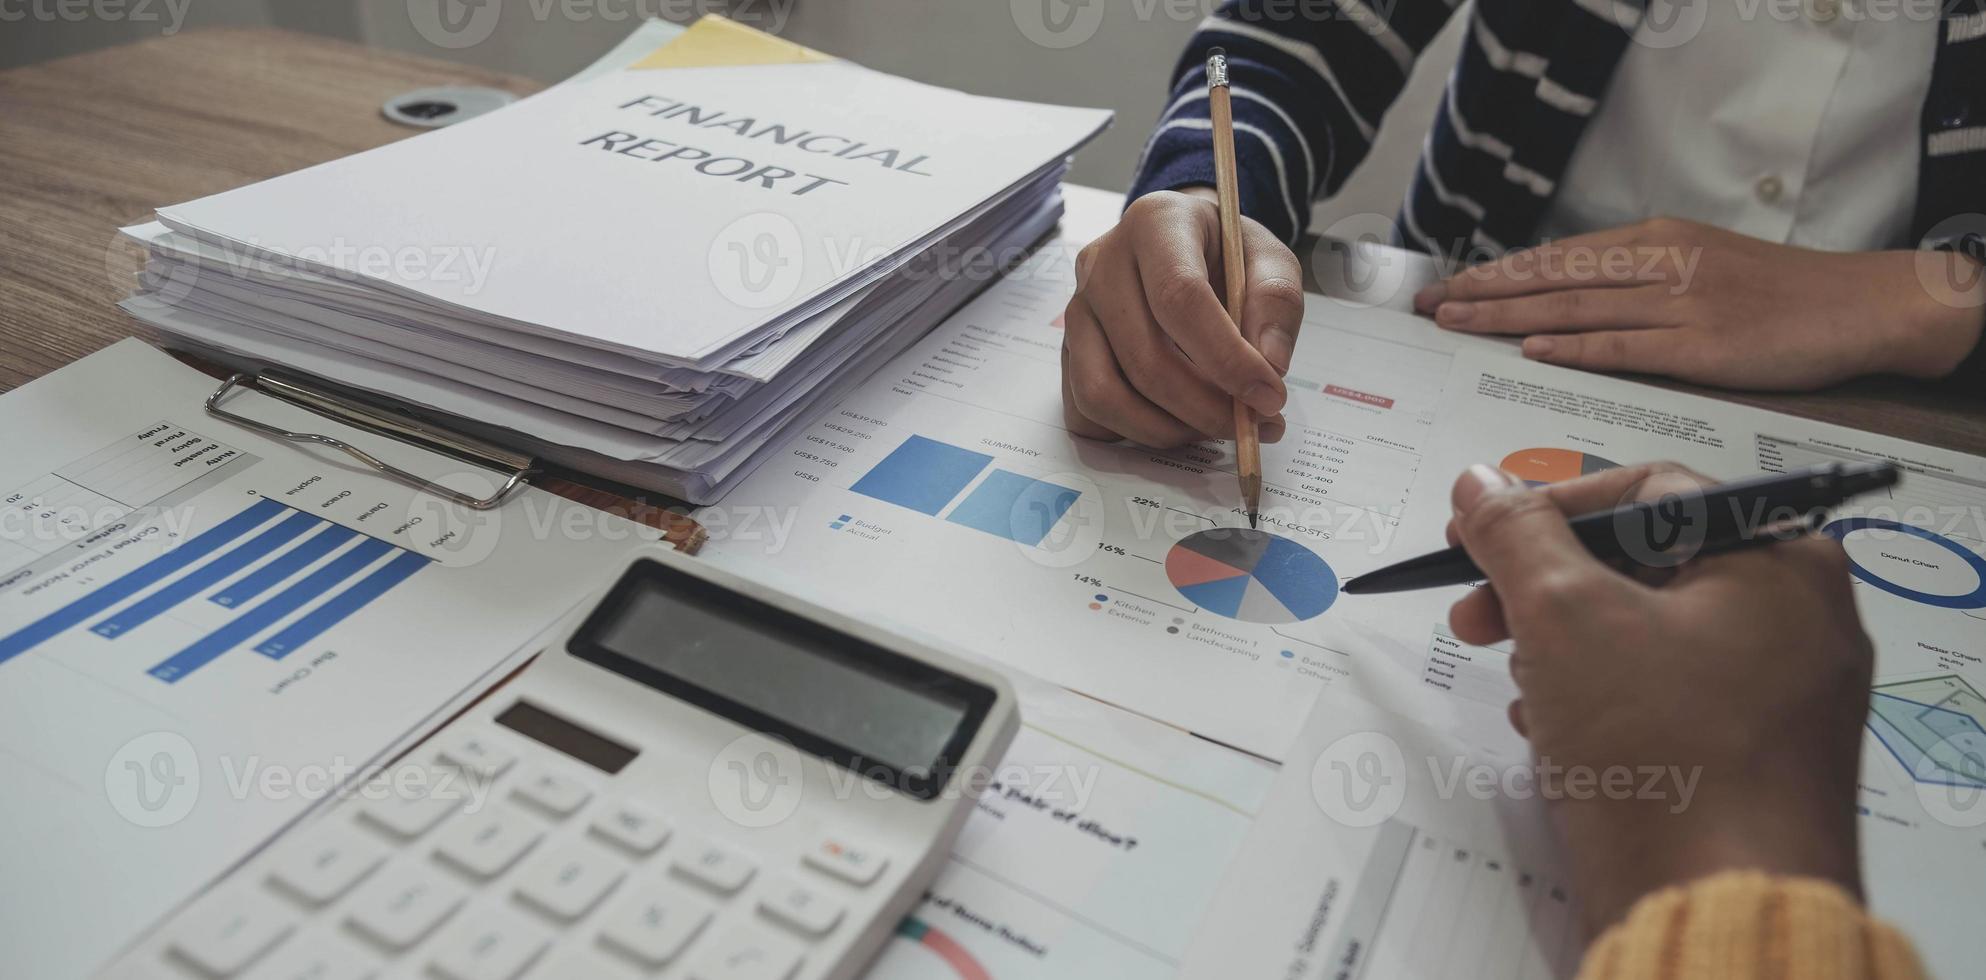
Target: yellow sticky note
{"type": "Point", "coordinates": [717, 42]}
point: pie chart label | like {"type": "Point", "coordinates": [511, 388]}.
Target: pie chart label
{"type": "Point", "coordinates": [1908, 561]}
{"type": "Point", "coordinates": [1543, 465]}
{"type": "Point", "coordinates": [1251, 575]}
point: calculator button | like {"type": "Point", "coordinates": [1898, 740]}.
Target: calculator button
{"type": "Point", "coordinates": [326, 865]}
{"type": "Point", "coordinates": [478, 755]}
{"type": "Point", "coordinates": [487, 844]}
{"type": "Point", "coordinates": [632, 826]}
{"type": "Point", "coordinates": [401, 906]}
{"type": "Point", "coordinates": [567, 883]}
{"type": "Point", "coordinates": [492, 944]}
{"type": "Point", "coordinates": [715, 866]}
{"type": "Point", "coordinates": [317, 956]}
{"type": "Point", "coordinates": [652, 926]}
{"type": "Point", "coordinates": [746, 954]}
{"type": "Point", "coordinates": [803, 909]}
{"type": "Point", "coordinates": [851, 863]}
{"type": "Point", "coordinates": [409, 812]}
{"type": "Point", "coordinates": [555, 794]}
{"type": "Point", "coordinates": [225, 934]}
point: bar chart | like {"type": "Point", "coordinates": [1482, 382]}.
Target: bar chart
{"type": "Point", "coordinates": [267, 579]}
{"type": "Point", "coordinates": [926, 476]}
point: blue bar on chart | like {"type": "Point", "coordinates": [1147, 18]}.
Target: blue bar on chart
{"type": "Point", "coordinates": [313, 624]}
{"type": "Point", "coordinates": [260, 617]}
{"type": "Point", "coordinates": [289, 563]}
{"type": "Point", "coordinates": [1019, 508]}
{"type": "Point", "coordinates": [188, 552]}
{"type": "Point", "coordinates": [204, 577]}
{"type": "Point", "coordinates": [922, 474]}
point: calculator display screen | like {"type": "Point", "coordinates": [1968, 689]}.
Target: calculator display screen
{"type": "Point", "coordinates": [878, 712]}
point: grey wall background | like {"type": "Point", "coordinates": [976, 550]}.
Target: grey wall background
{"type": "Point", "coordinates": [1112, 53]}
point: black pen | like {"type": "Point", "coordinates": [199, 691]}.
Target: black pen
{"type": "Point", "coordinates": [1743, 514]}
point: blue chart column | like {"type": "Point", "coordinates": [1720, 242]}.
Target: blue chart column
{"type": "Point", "coordinates": [313, 624]}
{"type": "Point", "coordinates": [131, 583]}
{"type": "Point", "coordinates": [265, 614]}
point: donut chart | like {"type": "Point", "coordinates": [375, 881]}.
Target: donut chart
{"type": "Point", "coordinates": [1911, 562]}
{"type": "Point", "coordinates": [944, 947]}
{"type": "Point", "coordinates": [1251, 575]}
{"type": "Point", "coordinates": [1545, 464]}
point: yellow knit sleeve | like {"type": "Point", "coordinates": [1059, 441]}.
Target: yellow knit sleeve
{"type": "Point", "coordinates": [1751, 926]}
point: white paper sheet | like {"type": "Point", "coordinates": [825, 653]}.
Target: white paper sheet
{"type": "Point", "coordinates": [1104, 598]}
{"type": "Point", "coordinates": [183, 672]}
{"type": "Point", "coordinates": [624, 253]}
{"type": "Point", "coordinates": [1095, 854]}
{"type": "Point", "coordinates": [1921, 592]}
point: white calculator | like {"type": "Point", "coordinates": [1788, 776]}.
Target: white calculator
{"type": "Point", "coordinates": [704, 779]}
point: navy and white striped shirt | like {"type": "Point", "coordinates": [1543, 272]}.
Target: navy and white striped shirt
{"type": "Point", "coordinates": [1312, 78]}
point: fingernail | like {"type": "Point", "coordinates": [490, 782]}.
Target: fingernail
{"type": "Point", "coordinates": [1475, 481]}
{"type": "Point", "coordinates": [1272, 430]}
{"type": "Point", "coordinates": [1277, 346]}
{"type": "Point", "coordinates": [1263, 398]}
{"type": "Point", "coordinates": [1539, 347]}
{"type": "Point", "coordinates": [1454, 314]}
{"type": "Point", "coordinates": [1430, 297]}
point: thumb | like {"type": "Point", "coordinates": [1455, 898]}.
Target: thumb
{"type": "Point", "coordinates": [1522, 541]}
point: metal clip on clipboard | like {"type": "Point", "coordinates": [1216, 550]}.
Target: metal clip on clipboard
{"type": "Point", "coordinates": [386, 423]}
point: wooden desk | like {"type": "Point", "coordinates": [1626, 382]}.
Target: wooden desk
{"type": "Point", "coordinates": [96, 141]}
{"type": "Point", "coordinates": [92, 143]}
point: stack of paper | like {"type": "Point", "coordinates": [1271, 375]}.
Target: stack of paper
{"type": "Point", "coordinates": [649, 274]}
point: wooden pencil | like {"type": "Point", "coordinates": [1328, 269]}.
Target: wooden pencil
{"type": "Point", "coordinates": [1247, 436]}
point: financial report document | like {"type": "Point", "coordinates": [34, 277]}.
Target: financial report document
{"type": "Point", "coordinates": [204, 631]}
{"type": "Point", "coordinates": [946, 496]}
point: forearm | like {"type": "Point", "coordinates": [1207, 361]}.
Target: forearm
{"type": "Point", "coordinates": [1940, 313]}
{"type": "Point", "coordinates": [1751, 926]}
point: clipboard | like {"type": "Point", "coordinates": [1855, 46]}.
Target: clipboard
{"type": "Point", "coordinates": [514, 468]}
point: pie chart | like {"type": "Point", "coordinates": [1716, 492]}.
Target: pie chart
{"type": "Point", "coordinates": [1251, 575]}
{"type": "Point", "coordinates": [1543, 465]}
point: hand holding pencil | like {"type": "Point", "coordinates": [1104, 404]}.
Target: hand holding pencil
{"type": "Point", "coordinates": [1150, 350]}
